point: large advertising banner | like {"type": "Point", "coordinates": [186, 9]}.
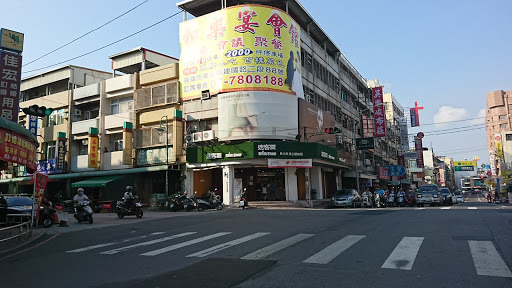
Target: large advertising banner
{"type": "Point", "coordinates": [40, 181]}
{"type": "Point", "coordinates": [240, 48]}
{"type": "Point", "coordinates": [10, 79]}
{"type": "Point", "coordinates": [378, 111]}
{"type": "Point", "coordinates": [256, 115]}
{"type": "Point", "coordinates": [17, 149]}
{"type": "Point", "coordinates": [313, 121]}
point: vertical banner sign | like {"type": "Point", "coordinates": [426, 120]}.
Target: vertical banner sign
{"type": "Point", "coordinates": [404, 139]}
{"type": "Point", "coordinates": [127, 143]}
{"type": "Point", "coordinates": [418, 144]}
{"type": "Point", "coordinates": [40, 181]}
{"type": "Point", "coordinates": [401, 161]}
{"type": "Point", "coordinates": [61, 154]}
{"type": "Point", "coordinates": [492, 162]}
{"type": "Point", "coordinates": [93, 147]}
{"type": "Point", "coordinates": [10, 79]}
{"type": "Point", "coordinates": [32, 125]}
{"type": "Point", "coordinates": [413, 117]}
{"type": "Point", "coordinates": [499, 146]}
{"type": "Point", "coordinates": [378, 111]}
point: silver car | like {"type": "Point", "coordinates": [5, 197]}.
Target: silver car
{"type": "Point", "coordinates": [346, 198]}
{"type": "Point", "coordinates": [429, 194]}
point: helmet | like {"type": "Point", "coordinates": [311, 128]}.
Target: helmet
{"type": "Point", "coordinates": [80, 191]}
{"type": "Point", "coordinates": [129, 188]}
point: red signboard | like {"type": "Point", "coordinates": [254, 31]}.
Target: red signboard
{"type": "Point", "coordinates": [39, 187]}
{"type": "Point", "coordinates": [15, 148]}
{"type": "Point", "coordinates": [418, 144]}
{"type": "Point", "coordinates": [10, 79]}
{"type": "Point", "coordinates": [367, 127]}
{"type": "Point", "coordinates": [379, 112]}
{"type": "Point", "coordinates": [384, 173]}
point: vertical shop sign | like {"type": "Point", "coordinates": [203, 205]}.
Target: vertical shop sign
{"type": "Point", "coordinates": [61, 151]}
{"type": "Point", "coordinates": [418, 144]}
{"type": "Point", "coordinates": [32, 123]}
{"type": "Point", "coordinates": [127, 143]}
{"type": "Point", "coordinates": [93, 147]}
{"type": "Point", "coordinates": [10, 79]}
{"type": "Point", "coordinates": [378, 111]}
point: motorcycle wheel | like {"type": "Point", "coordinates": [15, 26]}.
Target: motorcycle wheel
{"type": "Point", "coordinates": [47, 222]}
{"type": "Point", "coordinates": [139, 213]}
{"type": "Point", "coordinates": [120, 215]}
{"type": "Point", "coordinates": [219, 207]}
{"type": "Point", "coordinates": [200, 209]}
{"type": "Point", "coordinates": [90, 219]}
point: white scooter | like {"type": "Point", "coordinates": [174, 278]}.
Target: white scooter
{"type": "Point", "coordinates": [243, 199]}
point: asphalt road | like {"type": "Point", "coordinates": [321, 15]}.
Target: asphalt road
{"type": "Point", "coordinates": [465, 245]}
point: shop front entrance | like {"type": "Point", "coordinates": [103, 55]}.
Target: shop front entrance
{"type": "Point", "coordinates": [263, 184]}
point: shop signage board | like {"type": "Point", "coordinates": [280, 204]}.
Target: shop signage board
{"type": "Point", "coordinates": [404, 138]}
{"type": "Point", "coordinates": [18, 149]}
{"type": "Point", "coordinates": [379, 112]}
{"type": "Point", "coordinates": [40, 181]}
{"type": "Point", "coordinates": [240, 48]}
{"type": "Point", "coordinates": [61, 154]}
{"type": "Point", "coordinates": [410, 155]}
{"type": "Point", "coordinates": [465, 163]}
{"type": "Point", "coordinates": [384, 173]}
{"type": "Point", "coordinates": [152, 156]}
{"type": "Point", "coordinates": [48, 167]}
{"type": "Point", "coordinates": [464, 168]}
{"type": "Point", "coordinates": [32, 123]}
{"type": "Point", "coordinates": [290, 163]}
{"type": "Point", "coordinates": [365, 143]}
{"type": "Point", "coordinates": [395, 170]}
{"type": "Point", "coordinates": [11, 40]}
{"type": "Point", "coordinates": [10, 79]}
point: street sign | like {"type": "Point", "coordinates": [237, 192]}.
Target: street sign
{"type": "Point", "coordinates": [395, 170]}
{"type": "Point", "coordinates": [410, 155]}
{"type": "Point", "coordinates": [464, 168]}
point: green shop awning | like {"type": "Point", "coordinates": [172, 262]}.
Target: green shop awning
{"type": "Point", "coordinates": [405, 181]}
{"type": "Point", "coordinates": [393, 183]}
{"type": "Point", "coordinates": [95, 182]}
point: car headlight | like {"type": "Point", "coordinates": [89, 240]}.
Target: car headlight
{"type": "Point", "coordinates": [332, 198]}
{"type": "Point", "coordinates": [350, 198]}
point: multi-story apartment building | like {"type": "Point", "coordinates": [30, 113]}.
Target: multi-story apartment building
{"type": "Point", "coordinates": [334, 93]}
{"type": "Point", "coordinates": [498, 127]}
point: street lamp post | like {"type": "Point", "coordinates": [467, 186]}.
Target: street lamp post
{"type": "Point", "coordinates": [166, 150]}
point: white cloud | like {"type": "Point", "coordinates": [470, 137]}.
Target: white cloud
{"type": "Point", "coordinates": [480, 116]}
{"type": "Point", "coordinates": [449, 114]}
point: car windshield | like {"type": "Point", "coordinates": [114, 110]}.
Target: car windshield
{"type": "Point", "coordinates": [427, 189]}
{"type": "Point", "coordinates": [25, 201]}
{"type": "Point", "coordinates": [344, 192]}
{"type": "Point", "coordinates": [445, 191]}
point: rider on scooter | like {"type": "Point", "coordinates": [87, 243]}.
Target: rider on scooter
{"type": "Point", "coordinates": [128, 198]}
{"type": "Point", "coordinates": [79, 198]}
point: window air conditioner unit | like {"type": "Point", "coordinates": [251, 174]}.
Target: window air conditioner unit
{"type": "Point", "coordinates": [208, 135]}
{"type": "Point", "coordinates": [205, 95]}
{"type": "Point", "coordinates": [77, 112]}
{"type": "Point", "coordinates": [189, 138]}
{"type": "Point", "coordinates": [85, 142]}
{"type": "Point", "coordinates": [367, 161]}
{"type": "Point", "coordinates": [198, 137]}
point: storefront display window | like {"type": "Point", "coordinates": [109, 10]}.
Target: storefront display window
{"type": "Point", "coordinates": [263, 184]}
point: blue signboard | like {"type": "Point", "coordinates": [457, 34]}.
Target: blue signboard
{"type": "Point", "coordinates": [48, 167]}
{"type": "Point", "coordinates": [32, 123]}
{"type": "Point", "coordinates": [395, 170]}
{"type": "Point", "coordinates": [413, 117]}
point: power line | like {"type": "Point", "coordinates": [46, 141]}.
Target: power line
{"type": "Point", "coordinates": [103, 47]}
{"type": "Point", "coordinates": [451, 129]}
{"type": "Point", "coordinates": [84, 34]}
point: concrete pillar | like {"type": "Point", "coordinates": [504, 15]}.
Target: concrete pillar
{"type": "Point", "coordinates": [316, 182]}
{"type": "Point", "coordinates": [189, 181]}
{"type": "Point", "coordinates": [290, 177]}
{"type": "Point", "coordinates": [228, 193]}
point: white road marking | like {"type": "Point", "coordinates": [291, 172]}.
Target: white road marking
{"type": "Point", "coordinates": [479, 198]}
{"type": "Point", "coordinates": [111, 243]}
{"type": "Point", "coordinates": [404, 254]}
{"type": "Point", "coordinates": [264, 252]}
{"type": "Point", "coordinates": [333, 250]}
{"type": "Point", "coordinates": [422, 208]}
{"type": "Point", "coordinates": [184, 244]}
{"type": "Point", "coordinates": [487, 260]}
{"type": "Point", "coordinates": [122, 249]}
{"type": "Point", "coordinates": [226, 245]}
{"type": "Point", "coordinates": [446, 208]}
{"type": "Point", "coordinates": [472, 208]}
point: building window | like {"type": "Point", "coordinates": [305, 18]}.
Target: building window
{"type": "Point", "coordinates": [508, 137]}
{"type": "Point", "coordinates": [92, 114]}
{"type": "Point", "coordinates": [121, 105]}
{"type": "Point", "coordinates": [502, 117]}
{"type": "Point", "coordinates": [116, 142]}
{"type": "Point", "coordinates": [50, 150]}
{"type": "Point", "coordinates": [56, 118]}
{"type": "Point", "coordinates": [503, 126]}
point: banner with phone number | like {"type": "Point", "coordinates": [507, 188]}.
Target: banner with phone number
{"type": "Point", "coordinates": [241, 48]}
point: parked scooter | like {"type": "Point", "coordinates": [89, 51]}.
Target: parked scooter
{"type": "Point", "coordinates": [367, 202]}
{"type": "Point", "coordinates": [190, 203]}
{"type": "Point", "coordinates": [84, 212]}
{"type": "Point", "coordinates": [410, 200]}
{"type": "Point", "coordinates": [122, 209]}
{"type": "Point", "coordinates": [243, 199]}
{"type": "Point", "coordinates": [401, 201]}
{"type": "Point", "coordinates": [176, 202]}
{"type": "Point", "coordinates": [47, 214]}
{"type": "Point", "coordinates": [391, 199]}
{"type": "Point", "coordinates": [213, 203]}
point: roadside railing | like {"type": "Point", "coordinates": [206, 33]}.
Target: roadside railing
{"type": "Point", "coordinates": [20, 229]}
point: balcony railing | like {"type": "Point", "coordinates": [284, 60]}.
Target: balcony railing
{"type": "Point", "coordinates": [83, 126]}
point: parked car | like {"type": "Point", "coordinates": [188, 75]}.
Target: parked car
{"type": "Point", "coordinates": [346, 198]}
{"type": "Point", "coordinates": [447, 196]}
{"type": "Point", "coordinates": [428, 194]}
{"type": "Point", "coordinates": [460, 198]}
{"type": "Point", "coordinates": [19, 205]}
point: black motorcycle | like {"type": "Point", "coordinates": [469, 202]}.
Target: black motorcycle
{"type": "Point", "coordinates": [176, 203]}
{"type": "Point", "coordinates": [123, 209]}
{"type": "Point", "coordinates": [83, 212]}
{"type": "Point", "coordinates": [47, 215]}
{"type": "Point", "coordinates": [213, 202]}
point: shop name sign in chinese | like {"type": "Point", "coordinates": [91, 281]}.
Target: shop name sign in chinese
{"type": "Point", "coordinates": [464, 168]}
{"type": "Point", "coordinates": [10, 78]}
{"type": "Point", "coordinates": [378, 111]}
{"type": "Point", "coordinates": [290, 163]}
{"type": "Point", "coordinates": [240, 48]}
{"type": "Point", "coordinates": [11, 40]}
{"type": "Point", "coordinates": [267, 150]}
{"type": "Point", "coordinates": [364, 143]}
{"type": "Point", "coordinates": [465, 163]}
{"type": "Point", "coordinates": [48, 167]}
{"type": "Point", "coordinates": [17, 149]}
{"type": "Point", "coordinates": [154, 156]}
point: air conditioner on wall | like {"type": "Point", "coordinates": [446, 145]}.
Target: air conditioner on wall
{"type": "Point", "coordinates": [198, 137]}
{"type": "Point", "coordinates": [205, 95]}
{"type": "Point", "coordinates": [77, 112]}
{"type": "Point", "coordinates": [208, 135]}
{"type": "Point", "coordinates": [189, 138]}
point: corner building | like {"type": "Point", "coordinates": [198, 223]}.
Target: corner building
{"type": "Point", "coordinates": [259, 85]}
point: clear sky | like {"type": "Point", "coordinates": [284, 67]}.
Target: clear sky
{"type": "Point", "coordinates": [446, 55]}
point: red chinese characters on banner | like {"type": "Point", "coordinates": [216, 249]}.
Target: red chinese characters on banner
{"type": "Point", "coordinates": [10, 77]}
{"type": "Point", "coordinates": [93, 151]}
{"type": "Point", "coordinates": [378, 111]}
{"type": "Point", "coordinates": [277, 23]}
{"type": "Point", "coordinates": [260, 41]}
{"type": "Point", "coordinates": [18, 149]}
{"type": "Point", "coordinates": [217, 28]}
{"type": "Point", "coordinates": [278, 44]}
{"type": "Point", "coordinates": [295, 35]}
{"type": "Point", "coordinates": [39, 187]}
{"type": "Point", "coordinates": [384, 173]}
{"type": "Point", "coordinates": [367, 127]}
{"type": "Point", "coordinates": [245, 16]}
{"type": "Point", "coordinates": [237, 42]}
{"type": "Point", "coordinates": [418, 144]}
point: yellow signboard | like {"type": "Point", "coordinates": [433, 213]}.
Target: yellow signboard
{"type": "Point", "coordinates": [11, 40]}
{"type": "Point", "coordinates": [93, 151]}
{"type": "Point", "coordinates": [465, 163]}
{"type": "Point", "coordinates": [241, 48]}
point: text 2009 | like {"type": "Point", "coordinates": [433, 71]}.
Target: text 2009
{"type": "Point", "coordinates": [256, 79]}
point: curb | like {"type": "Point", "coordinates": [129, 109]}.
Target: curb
{"type": "Point", "coordinates": [32, 239]}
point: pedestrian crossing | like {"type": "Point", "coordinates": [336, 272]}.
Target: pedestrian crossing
{"type": "Point", "coordinates": [486, 258]}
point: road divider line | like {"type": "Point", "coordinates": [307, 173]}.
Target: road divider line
{"type": "Point", "coordinates": [422, 208]}
{"type": "Point", "coordinates": [184, 244]}
{"type": "Point", "coordinates": [487, 260]}
{"type": "Point", "coordinates": [333, 250]}
{"type": "Point", "coordinates": [446, 208]}
{"type": "Point", "coordinates": [112, 243]}
{"type": "Point", "coordinates": [264, 252]}
{"type": "Point", "coordinates": [472, 208]}
{"type": "Point", "coordinates": [226, 245]}
{"type": "Point", "coordinates": [404, 254]}
{"type": "Point", "coordinates": [122, 249]}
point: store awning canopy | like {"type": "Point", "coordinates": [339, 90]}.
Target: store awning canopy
{"type": "Point", "coordinates": [393, 183]}
{"type": "Point", "coordinates": [95, 182]}
{"type": "Point", "coordinates": [405, 181]}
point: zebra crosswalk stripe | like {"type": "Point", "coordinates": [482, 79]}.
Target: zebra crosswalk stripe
{"type": "Point", "coordinates": [333, 250]}
{"type": "Point", "coordinates": [112, 243]}
{"type": "Point", "coordinates": [226, 245]}
{"type": "Point", "coordinates": [404, 254]}
{"type": "Point", "coordinates": [472, 208]}
{"type": "Point", "coordinates": [487, 260]}
{"type": "Point", "coordinates": [264, 252]}
{"type": "Point", "coordinates": [184, 244]}
{"type": "Point", "coordinates": [446, 208]}
{"type": "Point", "coordinates": [122, 249]}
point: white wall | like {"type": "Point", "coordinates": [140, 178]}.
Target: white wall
{"type": "Point", "coordinates": [291, 184]}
